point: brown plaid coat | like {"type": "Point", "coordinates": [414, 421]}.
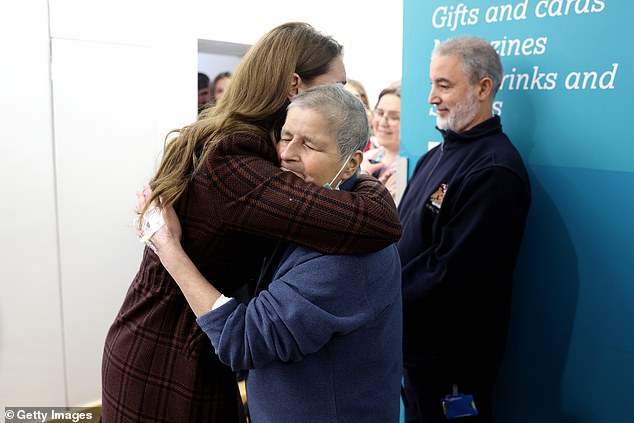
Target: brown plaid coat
{"type": "Point", "coordinates": [158, 366]}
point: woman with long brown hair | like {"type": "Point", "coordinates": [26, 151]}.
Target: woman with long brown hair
{"type": "Point", "coordinates": [222, 175]}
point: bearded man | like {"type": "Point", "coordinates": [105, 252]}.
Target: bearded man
{"type": "Point", "coordinates": [463, 215]}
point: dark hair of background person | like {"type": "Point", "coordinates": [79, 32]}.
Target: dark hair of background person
{"type": "Point", "coordinates": [204, 91]}
{"type": "Point", "coordinates": [203, 81]}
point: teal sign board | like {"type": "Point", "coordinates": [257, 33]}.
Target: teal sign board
{"type": "Point", "coordinates": [566, 102]}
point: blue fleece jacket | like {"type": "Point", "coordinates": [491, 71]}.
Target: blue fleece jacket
{"type": "Point", "coordinates": [322, 343]}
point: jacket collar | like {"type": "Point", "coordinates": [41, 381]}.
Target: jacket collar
{"type": "Point", "coordinates": [485, 128]}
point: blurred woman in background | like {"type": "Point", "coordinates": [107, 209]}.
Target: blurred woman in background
{"type": "Point", "coordinates": [381, 162]}
{"type": "Point", "coordinates": [220, 85]}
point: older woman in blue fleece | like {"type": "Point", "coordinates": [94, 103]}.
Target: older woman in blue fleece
{"type": "Point", "coordinates": [322, 340]}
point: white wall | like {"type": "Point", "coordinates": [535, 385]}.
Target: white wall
{"type": "Point", "coordinates": [31, 343]}
{"type": "Point", "coordinates": [88, 90]}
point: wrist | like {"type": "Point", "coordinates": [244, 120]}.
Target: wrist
{"type": "Point", "coordinates": [169, 249]}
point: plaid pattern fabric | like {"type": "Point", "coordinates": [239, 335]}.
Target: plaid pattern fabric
{"type": "Point", "coordinates": [158, 366]}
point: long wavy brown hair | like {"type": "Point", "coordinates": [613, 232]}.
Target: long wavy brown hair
{"type": "Point", "coordinates": [255, 102]}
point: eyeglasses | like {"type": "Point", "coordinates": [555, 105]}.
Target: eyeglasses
{"type": "Point", "coordinates": [391, 117]}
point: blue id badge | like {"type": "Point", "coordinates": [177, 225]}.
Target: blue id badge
{"type": "Point", "coordinates": [459, 405]}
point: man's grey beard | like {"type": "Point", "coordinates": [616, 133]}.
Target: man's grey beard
{"type": "Point", "coordinates": [460, 115]}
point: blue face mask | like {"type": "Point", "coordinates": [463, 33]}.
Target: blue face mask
{"type": "Point", "coordinates": [329, 185]}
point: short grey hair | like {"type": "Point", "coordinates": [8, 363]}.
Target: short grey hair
{"type": "Point", "coordinates": [344, 112]}
{"type": "Point", "coordinates": [478, 56]}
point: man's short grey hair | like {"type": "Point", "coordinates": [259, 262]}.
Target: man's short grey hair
{"type": "Point", "coordinates": [479, 57]}
{"type": "Point", "coordinates": [344, 112]}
